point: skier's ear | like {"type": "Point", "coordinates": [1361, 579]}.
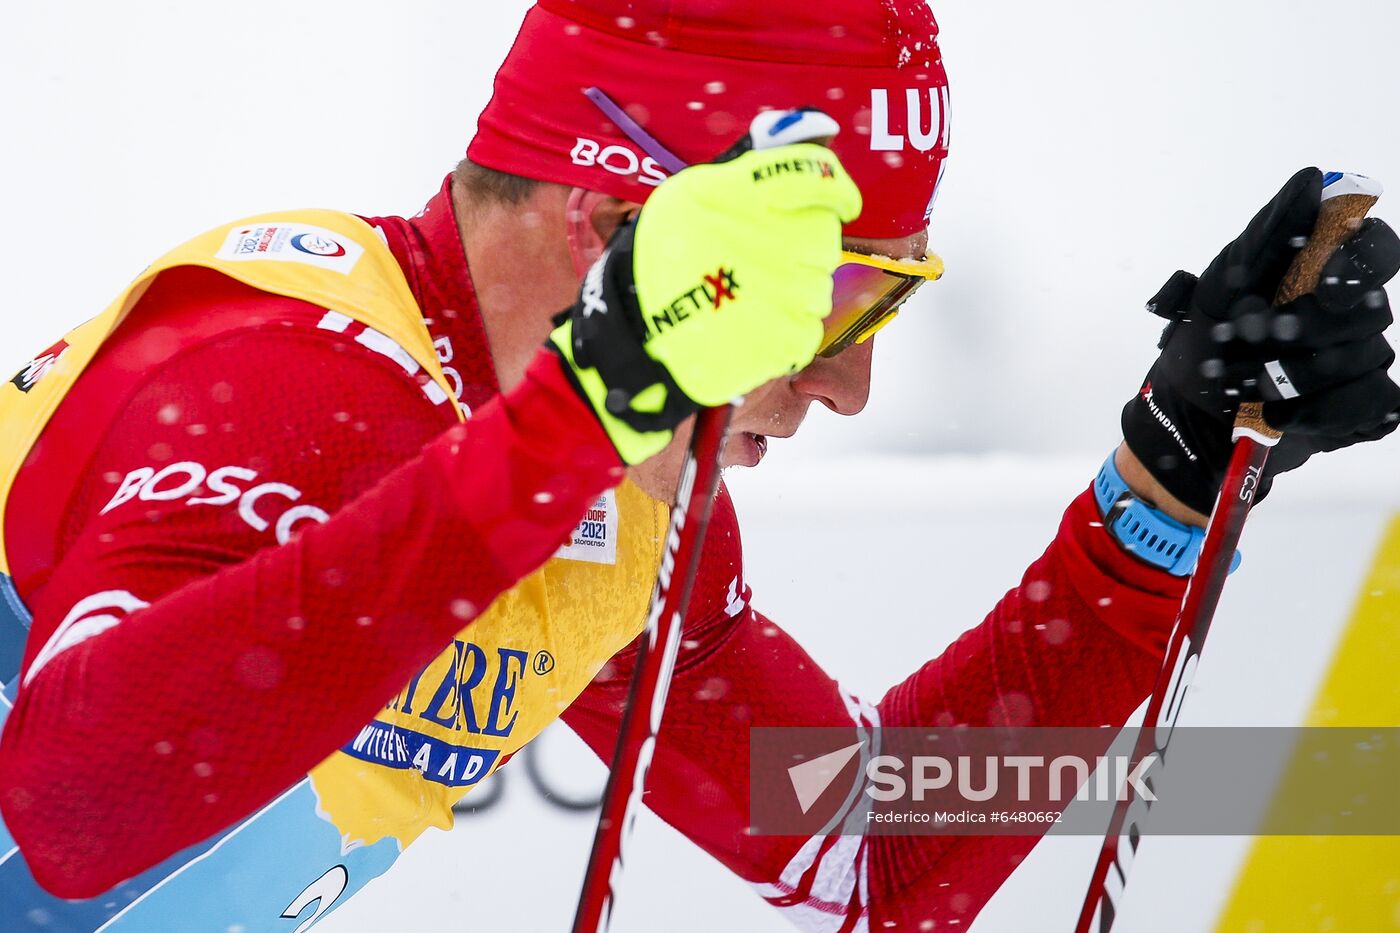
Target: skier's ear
{"type": "Point", "coordinates": [591, 219]}
{"type": "Point", "coordinates": [610, 213]}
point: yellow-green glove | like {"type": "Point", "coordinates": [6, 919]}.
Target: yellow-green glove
{"type": "Point", "coordinates": [720, 285]}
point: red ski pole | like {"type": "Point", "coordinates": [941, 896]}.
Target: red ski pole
{"type": "Point", "coordinates": [651, 680]}
{"type": "Point", "coordinates": [1346, 199]}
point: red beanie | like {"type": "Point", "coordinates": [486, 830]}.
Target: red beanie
{"type": "Point", "coordinates": [693, 73]}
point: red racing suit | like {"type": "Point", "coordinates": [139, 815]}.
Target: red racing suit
{"type": "Point", "coordinates": [292, 631]}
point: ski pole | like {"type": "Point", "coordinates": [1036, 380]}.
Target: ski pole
{"type": "Point", "coordinates": [1345, 200]}
{"type": "Point", "coordinates": [651, 679]}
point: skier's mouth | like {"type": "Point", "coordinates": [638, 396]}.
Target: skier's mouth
{"type": "Point", "coordinates": [745, 449]}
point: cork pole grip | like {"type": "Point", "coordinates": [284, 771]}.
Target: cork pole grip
{"type": "Point", "coordinates": [1338, 220]}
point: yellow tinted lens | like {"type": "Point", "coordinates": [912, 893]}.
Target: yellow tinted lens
{"type": "Point", "coordinates": [864, 299]}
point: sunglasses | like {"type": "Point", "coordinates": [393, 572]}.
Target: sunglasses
{"type": "Point", "coordinates": [867, 291]}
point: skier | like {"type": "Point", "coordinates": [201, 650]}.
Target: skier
{"type": "Point", "coordinates": [282, 527]}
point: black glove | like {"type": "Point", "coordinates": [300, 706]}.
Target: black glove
{"type": "Point", "coordinates": [1226, 345]}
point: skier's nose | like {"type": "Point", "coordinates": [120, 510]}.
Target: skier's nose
{"type": "Point", "coordinates": [841, 382]}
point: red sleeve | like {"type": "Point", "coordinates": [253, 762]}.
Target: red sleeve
{"type": "Point", "coordinates": [196, 650]}
{"type": "Point", "coordinates": [1077, 642]}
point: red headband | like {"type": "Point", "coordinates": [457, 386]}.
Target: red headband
{"type": "Point", "coordinates": [694, 80]}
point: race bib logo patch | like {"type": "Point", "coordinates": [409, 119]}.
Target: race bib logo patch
{"type": "Point", "coordinates": [285, 242]}
{"type": "Point", "coordinates": [317, 245]}
{"type": "Point", "coordinates": [28, 377]}
{"type": "Point", "coordinates": [595, 538]}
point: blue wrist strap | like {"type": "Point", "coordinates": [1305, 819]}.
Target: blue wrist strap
{"type": "Point", "coordinates": [1149, 535]}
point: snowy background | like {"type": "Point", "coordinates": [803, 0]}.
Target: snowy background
{"type": "Point", "coordinates": [1097, 146]}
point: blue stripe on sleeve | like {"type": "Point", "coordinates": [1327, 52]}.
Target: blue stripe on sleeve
{"type": "Point", "coordinates": [14, 629]}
